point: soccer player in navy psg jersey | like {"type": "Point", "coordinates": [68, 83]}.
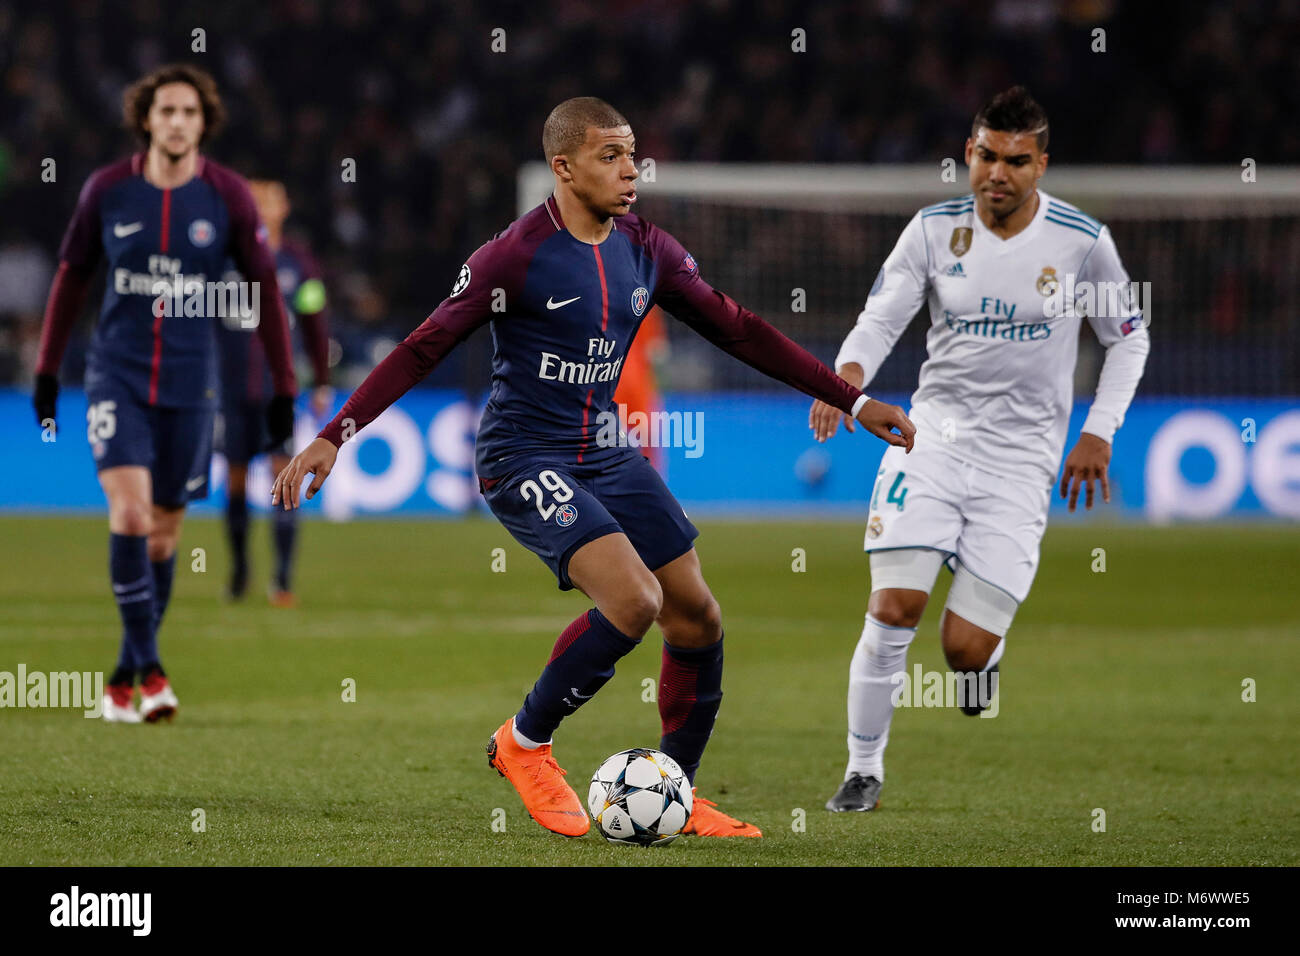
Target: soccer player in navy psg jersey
{"type": "Point", "coordinates": [246, 388]}
{"type": "Point", "coordinates": [577, 275]}
{"type": "Point", "coordinates": [164, 219]}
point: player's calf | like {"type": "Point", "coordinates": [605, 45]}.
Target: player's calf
{"type": "Point", "coordinates": [975, 619]}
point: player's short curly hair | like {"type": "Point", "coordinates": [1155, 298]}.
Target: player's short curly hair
{"type": "Point", "coordinates": [1013, 111]}
{"type": "Point", "coordinates": [566, 127]}
{"type": "Point", "coordinates": [138, 98]}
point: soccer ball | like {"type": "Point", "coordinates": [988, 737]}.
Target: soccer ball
{"type": "Point", "coordinates": [640, 796]}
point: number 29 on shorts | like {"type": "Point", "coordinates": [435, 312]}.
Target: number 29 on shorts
{"type": "Point", "coordinates": [551, 482]}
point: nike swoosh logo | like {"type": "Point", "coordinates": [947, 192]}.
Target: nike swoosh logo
{"type": "Point", "coordinates": [195, 482]}
{"type": "Point", "coordinates": [574, 691]}
{"type": "Point", "coordinates": [552, 304]}
{"type": "Point", "coordinates": [122, 231]}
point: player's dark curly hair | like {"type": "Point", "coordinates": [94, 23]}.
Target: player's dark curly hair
{"type": "Point", "coordinates": [138, 98]}
{"type": "Point", "coordinates": [566, 127]}
{"type": "Point", "coordinates": [1013, 111]}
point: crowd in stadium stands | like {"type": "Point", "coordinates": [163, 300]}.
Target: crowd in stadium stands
{"type": "Point", "coordinates": [438, 117]}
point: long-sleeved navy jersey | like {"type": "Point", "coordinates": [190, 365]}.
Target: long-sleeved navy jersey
{"type": "Point", "coordinates": [563, 315]}
{"type": "Point", "coordinates": [149, 236]}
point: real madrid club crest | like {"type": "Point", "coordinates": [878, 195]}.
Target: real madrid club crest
{"type": "Point", "coordinates": [875, 527]}
{"type": "Point", "coordinates": [1048, 283]}
{"type": "Point", "coordinates": [960, 241]}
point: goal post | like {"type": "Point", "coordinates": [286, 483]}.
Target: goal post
{"type": "Point", "coordinates": [801, 244]}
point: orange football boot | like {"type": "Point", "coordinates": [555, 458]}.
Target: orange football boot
{"type": "Point", "coordinates": [707, 820]}
{"type": "Point", "coordinates": [278, 598]}
{"type": "Point", "coordinates": [540, 783]}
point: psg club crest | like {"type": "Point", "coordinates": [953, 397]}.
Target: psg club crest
{"type": "Point", "coordinates": [202, 233]}
{"type": "Point", "coordinates": [639, 300]}
{"type": "Point", "coordinates": [565, 515]}
{"type": "Point", "coordinates": [689, 263]}
{"type": "Point", "coordinates": [462, 281]}
{"type": "Point", "coordinates": [960, 241]}
{"type": "Point", "coordinates": [1048, 283]}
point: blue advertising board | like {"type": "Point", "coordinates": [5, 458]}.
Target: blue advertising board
{"type": "Point", "coordinates": [731, 453]}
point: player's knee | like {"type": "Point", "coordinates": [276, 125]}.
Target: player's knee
{"type": "Point", "coordinates": [895, 607]}
{"type": "Point", "coordinates": [130, 516]}
{"type": "Point", "coordinates": [710, 619]}
{"type": "Point", "coordinates": [162, 545]}
{"type": "Point", "coordinates": [968, 654]}
{"type": "Point", "coordinates": [697, 624]}
{"type": "Point", "coordinates": [638, 607]}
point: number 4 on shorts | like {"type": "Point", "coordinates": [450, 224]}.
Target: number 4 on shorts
{"type": "Point", "coordinates": [897, 493]}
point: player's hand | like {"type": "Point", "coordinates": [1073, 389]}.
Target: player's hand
{"type": "Point", "coordinates": [279, 419]}
{"type": "Point", "coordinates": [881, 418]}
{"type": "Point", "coordinates": [824, 419]}
{"type": "Point", "coordinates": [316, 459]}
{"type": "Point", "coordinates": [322, 397]}
{"type": "Point", "coordinates": [1086, 463]}
{"type": "Point", "coordinates": [46, 398]}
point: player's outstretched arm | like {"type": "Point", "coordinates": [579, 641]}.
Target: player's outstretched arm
{"type": "Point", "coordinates": [316, 459]}
{"type": "Point", "coordinates": [823, 419]}
{"type": "Point", "coordinates": [741, 333]}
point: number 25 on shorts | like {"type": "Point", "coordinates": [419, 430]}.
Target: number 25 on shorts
{"type": "Point", "coordinates": [897, 493]}
{"type": "Point", "coordinates": [551, 482]}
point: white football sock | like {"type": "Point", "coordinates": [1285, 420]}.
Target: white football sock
{"type": "Point", "coordinates": [881, 653]}
{"type": "Point", "coordinates": [523, 741]}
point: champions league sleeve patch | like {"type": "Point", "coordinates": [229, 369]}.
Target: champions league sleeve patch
{"type": "Point", "coordinates": [1132, 325]}
{"type": "Point", "coordinates": [462, 281]}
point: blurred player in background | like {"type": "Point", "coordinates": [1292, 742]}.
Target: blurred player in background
{"type": "Point", "coordinates": [992, 408]}
{"type": "Point", "coordinates": [166, 218]}
{"type": "Point", "coordinates": [638, 388]}
{"type": "Point", "coordinates": [246, 389]}
{"type": "Point", "coordinates": [577, 275]}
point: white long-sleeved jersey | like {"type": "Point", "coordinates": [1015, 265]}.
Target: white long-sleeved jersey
{"type": "Point", "coordinates": [997, 387]}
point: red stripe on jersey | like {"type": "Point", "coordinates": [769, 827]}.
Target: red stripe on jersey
{"type": "Point", "coordinates": [586, 408]}
{"type": "Point", "coordinates": [166, 219]}
{"type": "Point", "coordinates": [156, 365]}
{"type": "Point", "coordinates": [604, 290]}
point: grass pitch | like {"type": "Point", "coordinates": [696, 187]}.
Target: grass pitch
{"type": "Point", "coordinates": [1121, 691]}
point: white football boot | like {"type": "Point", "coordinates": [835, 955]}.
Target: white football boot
{"type": "Point", "coordinates": [158, 700]}
{"type": "Point", "coordinates": [118, 709]}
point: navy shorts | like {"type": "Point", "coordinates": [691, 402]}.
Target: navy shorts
{"type": "Point", "coordinates": [242, 433]}
{"type": "Point", "coordinates": [175, 444]}
{"type": "Point", "coordinates": [554, 508]}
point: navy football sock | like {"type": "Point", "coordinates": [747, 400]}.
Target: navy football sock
{"type": "Point", "coordinates": [163, 572]}
{"type": "Point", "coordinates": [285, 526]}
{"type": "Point", "coordinates": [237, 530]}
{"type": "Point", "coordinates": [690, 692]}
{"type": "Point", "coordinates": [581, 662]}
{"type": "Point", "coordinates": [128, 569]}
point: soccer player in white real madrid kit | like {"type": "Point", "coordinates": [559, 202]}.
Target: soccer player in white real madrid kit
{"type": "Point", "coordinates": [1007, 272]}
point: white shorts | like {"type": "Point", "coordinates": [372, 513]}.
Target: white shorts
{"type": "Point", "coordinates": [989, 523]}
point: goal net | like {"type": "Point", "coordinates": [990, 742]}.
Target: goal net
{"type": "Point", "coordinates": [800, 245]}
